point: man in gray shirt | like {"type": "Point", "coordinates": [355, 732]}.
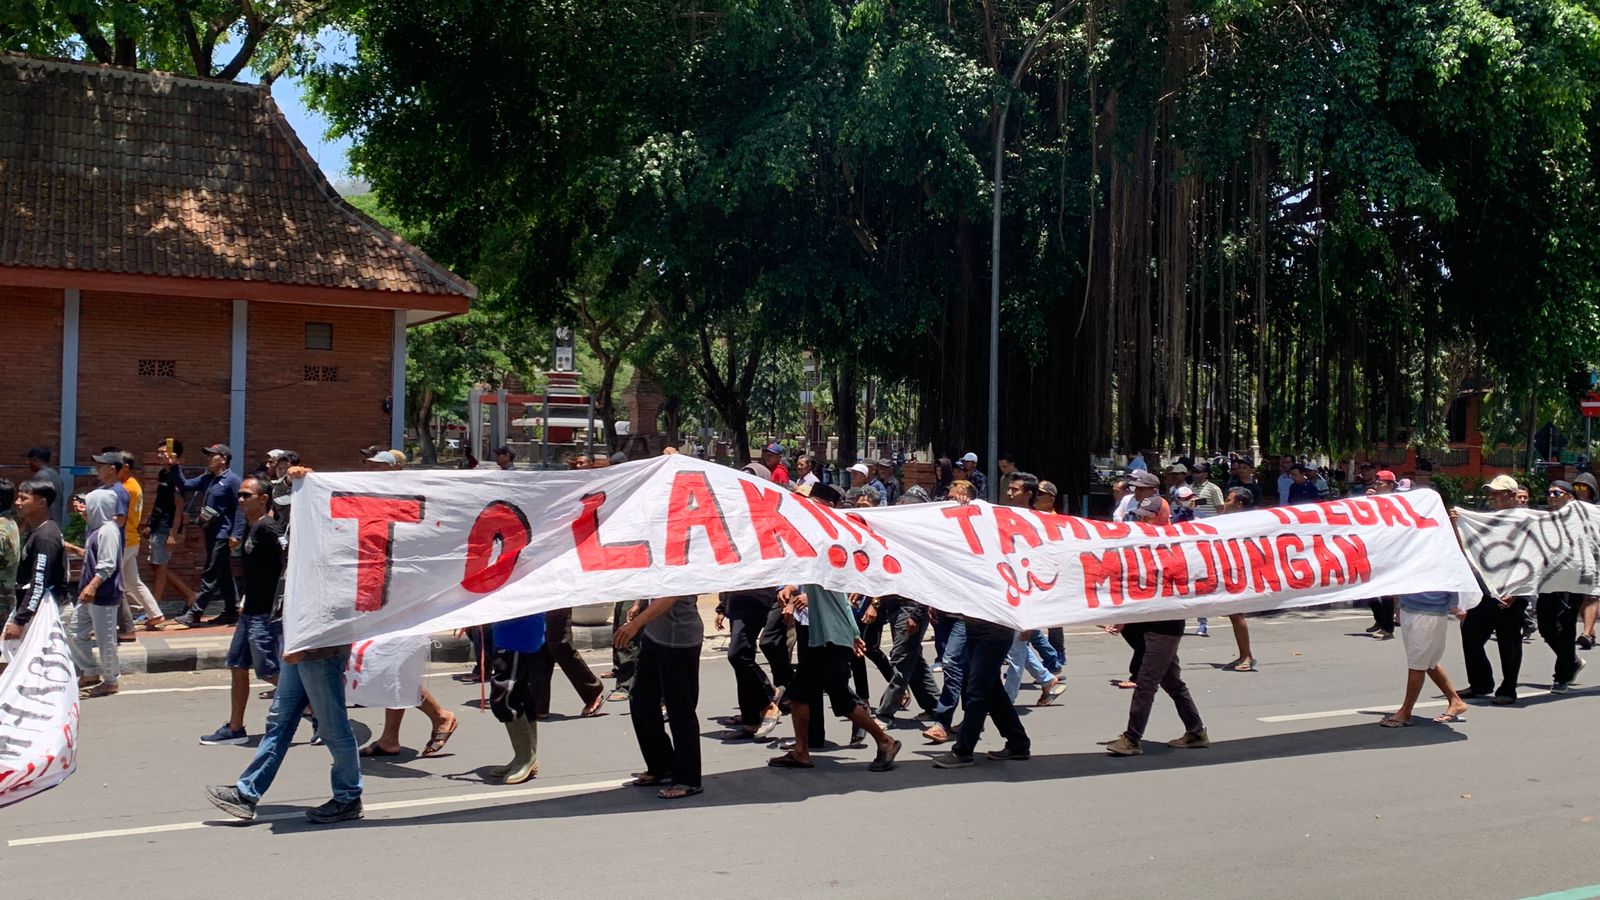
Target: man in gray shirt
{"type": "Point", "coordinates": [670, 632]}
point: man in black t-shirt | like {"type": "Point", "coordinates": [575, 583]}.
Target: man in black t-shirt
{"type": "Point", "coordinates": [257, 639]}
{"type": "Point", "coordinates": [42, 576]}
{"type": "Point", "coordinates": [164, 528]}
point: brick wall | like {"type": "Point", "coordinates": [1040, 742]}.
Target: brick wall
{"type": "Point", "coordinates": [30, 376]}
{"type": "Point", "coordinates": [324, 421]}
{"type": "Point", "coordinates": [118, 406]}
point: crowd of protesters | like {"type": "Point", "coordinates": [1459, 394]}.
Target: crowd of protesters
{"type": "Point", "coordinates": [816, 643]}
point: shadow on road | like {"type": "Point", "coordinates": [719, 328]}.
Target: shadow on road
{"type": "Point", "coordinates": [833, 775]}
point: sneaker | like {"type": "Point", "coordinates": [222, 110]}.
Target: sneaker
{"type": "Point", "coordinates": [1585, 642]}
{"type": "Point", "coordinates": [189, 619]}
{"type": "Point", "coordinates": [953, 760]}
{"type": "Point", "coordinates": [336, 811]}
{"type": "Point", "coordinates": [1124, 746]}
{"type": "Point", "coordinates": [1374, 628]}
{"type": "Point", "coordinates": [1383, 635]}
{"type": "Point", "coordinates": [229, 800]}
{"type": "Point", "coordinates": [227, 618]}
{"type": "Point", "coordinates": [1505, 700]}
{"type": "Point", "coordinates": [1192, 740]}
{"type": "Point", "coordinates": [1006, 753]}
{"type": "Point", "coordinates": [1560, 687]}
{"type": "Point", "coordinates": [225, 735]}
{"type": "Point", "coordinates": [1202, 631]}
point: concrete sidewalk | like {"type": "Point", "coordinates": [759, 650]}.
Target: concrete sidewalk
{"type": "Point", "coordinates": [206, 647]}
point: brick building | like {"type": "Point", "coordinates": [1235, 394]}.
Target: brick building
{"type": "Point", "coordinates": [173, 263]}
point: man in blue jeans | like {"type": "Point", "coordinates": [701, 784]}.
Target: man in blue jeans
{"type": "Point", "coordinates": [984, 697]}
{"type": "Point", "coordinates": [317, 677]}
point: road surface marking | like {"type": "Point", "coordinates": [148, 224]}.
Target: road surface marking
{"type": "Point", "coordinates": [1376, 708]}
{"type": "Point", "coordinates": [494, 796]}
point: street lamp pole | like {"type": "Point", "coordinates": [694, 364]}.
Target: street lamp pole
{"type": "Point", "coordinates": [992, 461]}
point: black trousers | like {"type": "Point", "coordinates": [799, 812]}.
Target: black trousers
{"type": "Point", "coordinates": [624, 662]}
{"type": "Point", "coordinates": [1505, 623]}
{"type": "Point", "coordinates": [816, 734]}
{"type": "Point", "coordinates": [983, 695]}
{"type": "Point", "coordinates": [511, 692]}
{"type": "Point", "coordinates": [911, 669]}
{"type": "Point", "coordinates": [669, 675]}
{"type": "Point", "coordinates": [216, 581]}
{"type": "Point", "coordinates": [1558, 626]}
{"type": "Point", "coordinates": [774, 645]}
{"type": "Point", "coordinates": [1383, 612]}
{"type": "Point", "coordinates": [746, 618]}
{"type": "Point", "coordinates": [558, 650]}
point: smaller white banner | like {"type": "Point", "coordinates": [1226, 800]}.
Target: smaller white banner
{"type": "Point", "coordinates": [38, 710]}
{"type": "Point", "coordinates": [386, 673]}
{"type": "Point", "coordinates": [1523, 552]}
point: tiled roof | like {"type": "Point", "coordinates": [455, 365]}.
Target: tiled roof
{"type": "Point", "coordinates": [112, 170]}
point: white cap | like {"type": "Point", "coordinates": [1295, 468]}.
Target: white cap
{"type": "Point", "coordinates": [385, 457]}
{"type": "Point", "coordinates": [969, 456]}
{"type": "Point", "coordinates": [862, 468]}
{"type": "Point", "coordinates": [274, 454]}
{"type": "Point", "coordinates": [1183, 492]}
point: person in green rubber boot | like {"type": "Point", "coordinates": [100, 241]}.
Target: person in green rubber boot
{"type": "Point", "coordinates": [511, 693]}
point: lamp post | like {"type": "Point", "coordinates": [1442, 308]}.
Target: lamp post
{"type": "Point", "coordinates": [991, 461]}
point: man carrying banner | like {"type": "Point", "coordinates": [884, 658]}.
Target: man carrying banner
{"type": "Point", "coordinates": [834, 641]}
{"type": "Point", "coordinates": [1499, 616]}
{"type": "Point", "coordinates": [670, 633]}
{"type": "Point", "coordinates": [1427, 626]}
{"type": "Point", "coordinates": [42, 575]}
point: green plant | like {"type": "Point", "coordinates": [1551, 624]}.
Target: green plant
{"type": "Point", "coordinates": [1452, 489]}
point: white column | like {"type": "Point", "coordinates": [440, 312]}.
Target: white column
{"type": "Point", "coordinates": [236, 396]}
{"type": "Point", "coordinates": [68, 454]}
{"type": "Point", "coordinates": [397, 383]}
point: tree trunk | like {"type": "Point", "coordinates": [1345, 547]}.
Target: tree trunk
{"type": "Point", "coordinates": [430, 452]}
{"type": "Point", "coordinates": [846, 412]}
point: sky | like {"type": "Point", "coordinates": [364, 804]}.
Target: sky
{"type": "Point", "coordinates": [312, 126]}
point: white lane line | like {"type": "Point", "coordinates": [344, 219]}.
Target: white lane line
{"type": "Point", "coordinates": [1522, 693]}
{"type": "Point", "coordinates": [494, 798]}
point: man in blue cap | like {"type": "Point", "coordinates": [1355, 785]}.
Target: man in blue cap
{"type": "Point", "coordinates": [772, 458]}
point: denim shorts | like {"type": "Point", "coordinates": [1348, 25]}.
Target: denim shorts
{"type": "Point", "coordinates": [160, 553]}
{"type": "Point", "coordinates": [258, 644]}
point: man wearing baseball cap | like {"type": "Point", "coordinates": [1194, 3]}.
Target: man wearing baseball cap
{"type": "Point", "coordinates": [1499, 616]}
{"type": "Point", "coordinates": [980, 482]}
{"type": "Point", "coordinates": [222, 523]}
{"type": "Point", "coordinates": [772, 458]}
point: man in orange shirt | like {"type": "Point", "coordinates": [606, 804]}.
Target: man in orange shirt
{"type": "Point", "coordinates": [133, 587]}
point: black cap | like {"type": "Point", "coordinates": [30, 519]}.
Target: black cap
{"type": "Point", "coordinates": [506, 450]}
{"type": "Point", "coordinates": [618, 458]}
{"type": "Point", "coordinates": [39, 453]}
{"type": "Point", "coordinates": [218, 450]}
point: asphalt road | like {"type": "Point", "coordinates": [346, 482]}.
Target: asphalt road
{"type": "Point", "coordinates": [1301, 795]}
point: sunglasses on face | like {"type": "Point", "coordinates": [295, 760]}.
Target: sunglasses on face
{"type": "Point", "coordinates": [246, 495]}
{"type": "Point", "coordinates": [1556, 493]}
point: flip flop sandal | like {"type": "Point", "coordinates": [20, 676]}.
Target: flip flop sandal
{"type": "Point", "coordinates": [593, 709]}
{"type": "Point", "coordinates": [645, 779]}
{"type": "Point", "coordinates": [885, 761]}
{"type": "Point", "coordinates": [616, 696]}
{"type": "Point", "coordinates": [371, 750]}
{"type": "Point", "coordinates": [268, 695]}
{"type": "Point", "coordinates": [437, 741]}
{"type": "Point", "coordinates": [679, 792]}
{"type": "Point", "coordinates": [1449, 718]}
{"type": "Point", "coordinates": [1390, 722]}
{"type": "Point", "coordinates": [1243, 666]}
{"type": "Point", "coordinates": [788, 761]}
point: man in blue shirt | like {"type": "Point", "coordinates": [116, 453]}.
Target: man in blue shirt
{"type": "Point", "coordinates": [223, 525]}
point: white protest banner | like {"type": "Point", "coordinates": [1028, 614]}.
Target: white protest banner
{"type": "Point", "coordinates": [1523, 552]}
{"type": "Point", "coordinates": [38, 710]}
{"type": "Point", "coordinates": [386, 673]}
{"type": "Point", "coordinates": [378, 553]}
